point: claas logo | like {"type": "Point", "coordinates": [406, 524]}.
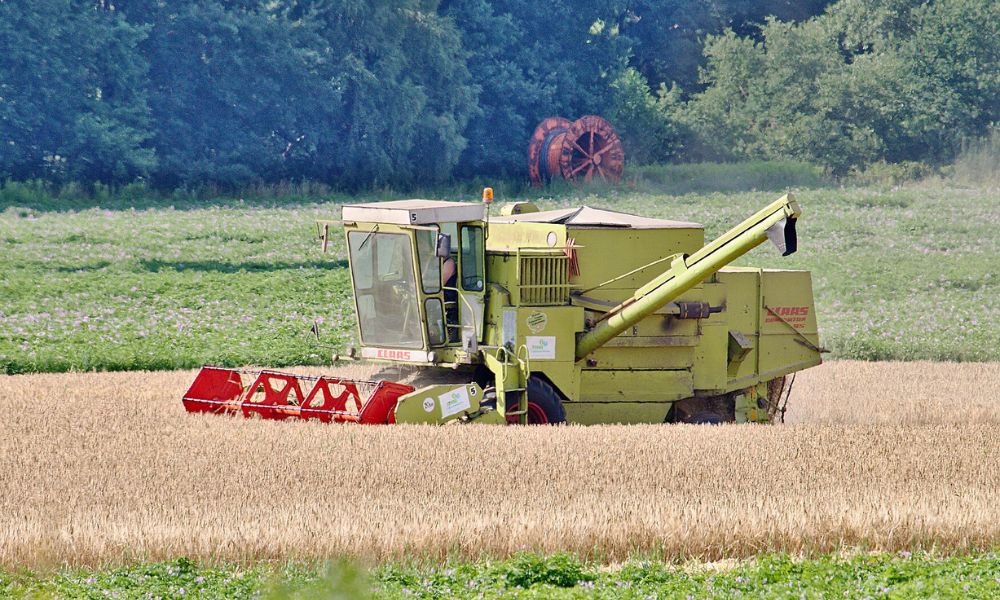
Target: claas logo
{"type": "Point", "coordinates": [790, 314]}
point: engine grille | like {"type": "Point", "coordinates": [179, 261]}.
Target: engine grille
{"type": "Point", "coordinates": [543, 280]}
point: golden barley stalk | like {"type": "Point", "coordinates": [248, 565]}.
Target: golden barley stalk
{"type": "Point", "coordinates": [101, 469]}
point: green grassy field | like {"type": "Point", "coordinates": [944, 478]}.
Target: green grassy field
{"type": "Point", "coordinates": [530, 576]}
{"type": "Point", "coordinates": [905, 274]}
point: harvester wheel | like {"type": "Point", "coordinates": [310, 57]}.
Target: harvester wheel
{"type": "Point", "coordinates": [545, 405]}
{"type": "Point", "coordinates": [714, 410]}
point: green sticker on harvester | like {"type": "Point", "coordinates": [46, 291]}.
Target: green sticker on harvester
{"type": "Point", "coordinates": [454, 401]}
{"type": "Point", "coordinates": [537, 321]}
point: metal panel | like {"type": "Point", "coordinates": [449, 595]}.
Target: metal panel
{"type": "Point", "coordinates": [788, 326]}
{"type": "Point", "coordinates": [648, 357]}
{"type": "Point", "coordinates": [635, 386]}
{"type": "Point", "coordinates": [626, 413]}
{"type": "Point", "coordinates": [414, 212]}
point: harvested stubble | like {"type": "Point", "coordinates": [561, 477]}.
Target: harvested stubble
{"type": "Point", "coordinates": [99, 469]}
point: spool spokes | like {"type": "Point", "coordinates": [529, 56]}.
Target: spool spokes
{"type": "Point", "coordinates": [591, 149]}
{"type": "Point", "coordinates": [578, 151]}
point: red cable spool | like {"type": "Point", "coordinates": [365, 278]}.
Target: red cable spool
{"type": "Point", "coordinates": [577, 151]}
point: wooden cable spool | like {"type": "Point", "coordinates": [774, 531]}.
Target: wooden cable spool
{"type": "Point", "coordinates": [577, 151]}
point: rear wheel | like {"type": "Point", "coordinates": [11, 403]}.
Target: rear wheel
{"type": "Point", "coordinates": [722, 409]}
{"type": "Point", "coordinates": [545, 405]}
{"type": "Point", "coordinates": [713, 410]}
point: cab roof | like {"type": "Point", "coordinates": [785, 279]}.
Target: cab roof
{"type": "Point", "coordinates": [414, 212]}
{"type": "Point", "coordinates": [591, 218]}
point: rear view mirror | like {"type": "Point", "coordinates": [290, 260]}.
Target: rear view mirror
{"type": "Point", "coordinates": [443, 245]}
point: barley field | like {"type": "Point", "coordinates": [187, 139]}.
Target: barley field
{"type": "Point", "coordinates": [102, 469]}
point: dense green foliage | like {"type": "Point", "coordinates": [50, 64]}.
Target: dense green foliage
{"type": "Point", "coordinates": [73, 103]}
{"type": "Point", "coordinates": [532, 576]}
{"type": "Point", "coordinates": [366, 93]}
{"type": "Point", "coordinates": [891, 80]}
{"type": "Point", "coordinates": [904, 274]}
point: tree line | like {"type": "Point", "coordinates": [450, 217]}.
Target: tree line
{"type": "Point", "coordinates": [367, 93]}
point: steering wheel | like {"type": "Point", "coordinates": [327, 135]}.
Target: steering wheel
{"type": "Point", "coordinates": [401, 290]}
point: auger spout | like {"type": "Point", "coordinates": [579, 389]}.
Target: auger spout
{"type": "Point", "coordinates": [775, 222]}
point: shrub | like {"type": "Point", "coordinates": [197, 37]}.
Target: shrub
{"type": "Point", "coordinates": [560, 570]}
{"type": "Point", "coordinates": [641, 119]}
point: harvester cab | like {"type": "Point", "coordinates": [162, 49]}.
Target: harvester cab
{"type": "Point", "coordinates": [583, 315]}
{"type": "Point", "coordinates": [419, 273]}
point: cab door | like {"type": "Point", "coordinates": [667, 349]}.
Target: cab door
{"type": "Point", "coordinates": [471, 282]}
{"type": "Point", "coordinates": [431, 289]}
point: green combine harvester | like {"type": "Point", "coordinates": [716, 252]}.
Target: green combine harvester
{"type": "Point", "coordinates": [580, 315]}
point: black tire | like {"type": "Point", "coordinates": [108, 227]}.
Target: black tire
{"type": "Point", "coordinates": [706, 418]}
{"type": "Point", "coordinates": [713, 410]}
{"type": "Point", "coordinates": [545, 405]}
{"type": "Point", "coordinates": [542, 394]}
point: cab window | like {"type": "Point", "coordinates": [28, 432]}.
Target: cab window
{"type": "Point", "coordinates": [473, 271]}
{"type": "Point", "coordinates": [430, 264]}
{"type": "Point", "coordinates": [384, 285]}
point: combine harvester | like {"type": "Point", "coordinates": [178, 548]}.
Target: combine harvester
{"type": "Point", "coordinates": [581, 315]}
